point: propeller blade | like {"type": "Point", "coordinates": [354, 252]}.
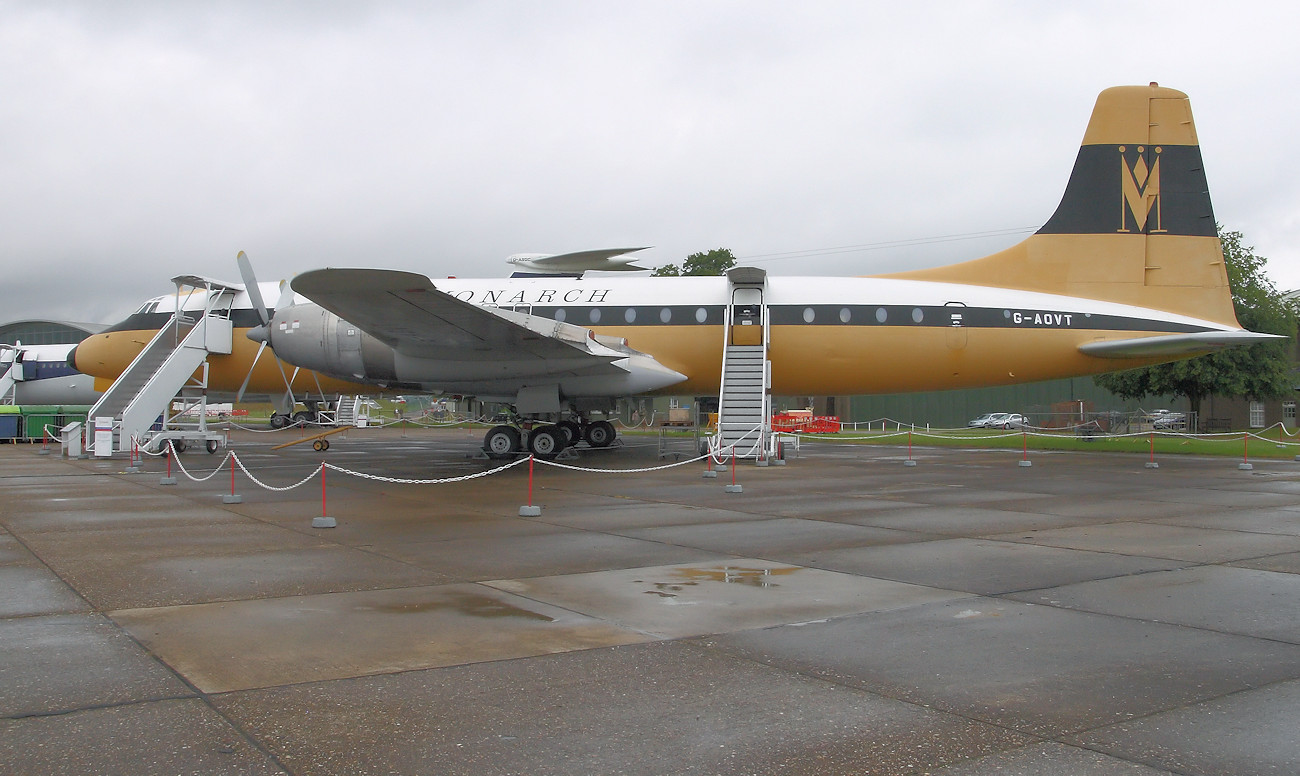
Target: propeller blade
{"type": "Point", "coordinates": [286, 296]}
{"type": "Point", "coordinates": [250, 285]}
{"type": "Point", "coordinates": [239, 395]}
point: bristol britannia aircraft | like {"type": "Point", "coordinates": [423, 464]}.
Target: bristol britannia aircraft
{"type": "Point", "coordinates": [1127, 272]}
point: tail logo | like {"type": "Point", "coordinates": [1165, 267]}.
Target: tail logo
{"type": "Point", "coordinates": [1140, 191]}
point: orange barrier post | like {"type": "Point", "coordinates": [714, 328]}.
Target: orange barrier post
{"type": "Point", "coordinates": [1151, 464]}
{"type": "Point", "coordinates": [909, 461]}
{"type": "Point", "coordinates": [169, 479]}
{"type": "Point", "coordinates": [1245, 452]}
{"type": "Point", "coordinates": [530, 510]}
{"type": "Point", "coordinates": [733, 487]}
{"type": "Point", "coordinates": [709, 473]}
{"type": "Point", "coordinates": [1024, 460]}
{"type": "Point", "coordinates": [232, 498]}
{"type": "Point", "coordinates": [323, 521]}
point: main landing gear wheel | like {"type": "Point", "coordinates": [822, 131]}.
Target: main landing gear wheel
{"type": "Point", "coordinates": [212, 446]}
{"type": "Point", "coordinates": [280, 421]}
{"type": "Point", "coordinates": [601, 434]}
{"type": "Point", "coordinates": [572, 432]}
{"type": "Point", "coordinates": [501, 442]}
{"type": "Point", "coordinates": [546, 442]}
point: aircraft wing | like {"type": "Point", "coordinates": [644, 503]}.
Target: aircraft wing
{"type": "Point", "coordinates": [1174, 344]}
{"type": "Point", "coordinates": [406, 312]}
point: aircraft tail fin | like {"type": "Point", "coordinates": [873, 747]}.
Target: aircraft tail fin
{"type": "Point", "coordinates": [1134, 226]}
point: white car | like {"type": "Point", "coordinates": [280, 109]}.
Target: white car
{"type": "Point", "coordinates": [987, 420]}
{"type": "Point", "coordinates": [1009, 421]}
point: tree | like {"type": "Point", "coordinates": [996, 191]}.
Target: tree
{"type": "Point", "coordinates": [1260, 371]}
{"type": "Point", "coordinates": [714, 262]}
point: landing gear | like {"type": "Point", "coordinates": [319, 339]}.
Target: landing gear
{"type": "Point", "coordinates": [546, 441]}
{"type": "Point", "coordinates": [572, 431]}
{"type": "Point", "coordinates": [280, 421]}
{"type": "Point", "coordinates": [502, 442]}
{"type": "Point", "coordinates": [600, 434]}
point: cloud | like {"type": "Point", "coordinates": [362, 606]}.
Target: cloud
{"type": "Point", "coordinates": [145, 140]}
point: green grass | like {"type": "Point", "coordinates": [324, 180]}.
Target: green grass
{"type": "Point", "coordinates": [1229, 446]}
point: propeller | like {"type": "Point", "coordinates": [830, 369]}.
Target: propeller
{"type": "Point", "coordinates": [262, 333]}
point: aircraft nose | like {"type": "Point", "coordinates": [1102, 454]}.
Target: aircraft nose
{"type": "Point", "coordinates": [260, 333]}
{"type": "Point", "coordinates": [72, 357]}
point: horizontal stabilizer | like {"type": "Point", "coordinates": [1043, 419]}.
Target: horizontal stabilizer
{"type": "Point", "coordinates": [1174, 344]}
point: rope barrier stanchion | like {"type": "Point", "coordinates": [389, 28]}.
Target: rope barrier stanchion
{"type": "Point", "coordinates": [232, 497]}
{"type": "Point", "coordinates": [733, 487]}
{"type": "Point", "coordinates": [324, 521]}
{"type": "Point", "coordinates": [45, 439]}
{"type": "Point", "coordinates": [529, 510]}
{"type": "Point", "coordinates": [169, 479]}
{"type": "Point", "coordinates": [711, 474]}
{"type": "Point", "coordinates": [1245, 464]}
{"type": "Point", "coordinates": [910, 461]}
{"type": "Point", "coordinates": [1151, 464]}
{"type": "Point", "coordinates": [134, 466]}
{"type": "Point", "coordinates": [1024, 460]}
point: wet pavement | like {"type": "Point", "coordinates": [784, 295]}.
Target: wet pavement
{"type": "Point", "coordinates": [844, 614]}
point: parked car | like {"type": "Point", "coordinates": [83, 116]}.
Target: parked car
{"type": "Point", "coordinates": [1168, 421]}
{"type": "Point", "coordinates": [1010, 421]}
{"type": "Point", "coordinates": [987, 420]}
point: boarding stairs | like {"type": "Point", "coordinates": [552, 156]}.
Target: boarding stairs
{"type": "Point", "coordinates": [348, 411]}
{"type": "Point", "coordinates": [744, 399]}
{"type": "Point", "coordinates": [11, 373]}
{"type": "Point", "coordinates": [173, 363]}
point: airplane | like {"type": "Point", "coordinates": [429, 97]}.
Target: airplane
{"type": "Point", "coordinates": [1128, 271]}
{"type": "Point", "coordinates": [40, 374]}
{"type": "Point", "coordinates": [573, 264]}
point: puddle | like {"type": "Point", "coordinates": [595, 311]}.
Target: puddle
{"type": "Point", "coordinates": [727, 575]}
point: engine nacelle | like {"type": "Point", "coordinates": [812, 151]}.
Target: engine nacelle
{"type": "Point", "coordinates": [311, 337]}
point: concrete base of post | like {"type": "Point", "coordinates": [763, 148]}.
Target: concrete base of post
{"type": "Point", "coordinates": [232, 499]}
{"type": "Point", "coordinates": [734, 489]}
{"type": "Point", "coordinates": [709, 474]}
{"type": "Point", "coordinates": [761, 462]}
{"type": "Point", "coordinates": [909, 462]}
{"type": "Point", "coordinates": [778, 462]}
{"type": "Point", "coordinates": [1245, 467]}
{"type": "Point", "coordinates": [1152, 465]}
{"type": "Point", "coordinates": [133, 470]}
{"type": "Point", "coordinates": [530, 511]}
{"type": "Point", "coordinates": [324, 522]}
{"type": "Point", "coordinates": [1026, 463]}
{"type": "Point", "coordinates": [166, 480]}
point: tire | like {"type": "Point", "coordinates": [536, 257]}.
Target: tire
{"type": "Point", "coordinates": [546, 442]}
{"type": "Point", "coordinates": [572, 432]}
{"type": "Point", "coordinates": [601, 434]}
{"type": "Point", "coordinates": [212, 446]}
{"type": "Point", "coordinates": [303, 417]}
{"type": "Point", "coordinates": [501, 442]}
{"type": "Point", "coordinates": [320, 445]}
{"type": "Point", "coordinates": [179, 444]}
{"type": "Point", "coordinates": [279, 421]}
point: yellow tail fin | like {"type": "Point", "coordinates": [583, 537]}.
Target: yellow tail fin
{"type": "Point", "coordinates": [1135, 225]}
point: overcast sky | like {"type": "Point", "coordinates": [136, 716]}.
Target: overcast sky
{"type": "Point", "coordinates": [142, 140]}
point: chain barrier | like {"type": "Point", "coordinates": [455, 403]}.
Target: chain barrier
{"type": "Point", "coordinates": [1045, 433]}
{"type": "Point", "coordinates": [661, 467]}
